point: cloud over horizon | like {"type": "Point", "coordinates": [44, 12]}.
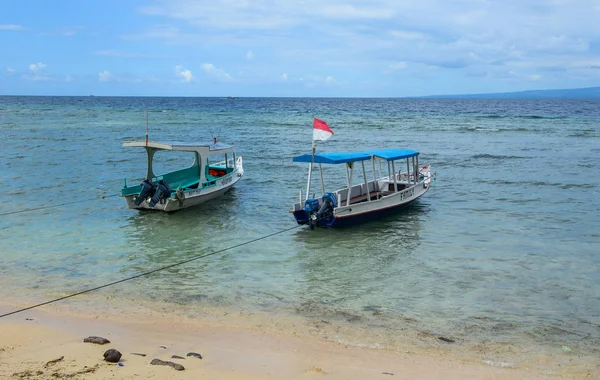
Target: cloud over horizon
{"type": "Point", "coordinates": [428, 46]}
{"type": "Point", "coordinates": [185, 76]}
{"type": "Point", "coordinates": [215, 72]}
{"type": "Point", "coordinates": [11, 27]}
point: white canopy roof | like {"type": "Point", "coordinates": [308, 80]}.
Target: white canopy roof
{"type": "Point", "coordinates": [184, 146]}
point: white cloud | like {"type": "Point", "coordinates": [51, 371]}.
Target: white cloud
{"type": "Point", "coordinates": [10, 70]}
{"type": "Point", "coordinates": [167, 33]}
{"type": "Point", "coordinates": [468, 37]}
{"type": "Point", "coordinates": [348, 11]}
{"type": "Point", "coordinates": [11, 27]}
{"type": "Point", "coordinates": [284, 76]}
{"type": "Point", "coordinates": [107, 76]}
{"type": "Point", "coordinates": [104, 76]}
{"type": "Point", "coordinates": [398, 65]}
{"type": "Point", "coordinates": [211, 70]}
{"type": "Point", "coordinates": [37, 73]}
{"type": "Point", "coordinates": [535, 77]}
{"type": "Point", "coordinates": [68, 32]}
{"type": "Point", "coordinates": [68, 78]}
{"type": "Point", "coordinates": [116, 53]}
{"type": "Point", "coordinates": [185, 75]}
{"type": "Point", "coordinates": [407, 35]}
{"type": "Point", "coordinates": [35, 67]}
{"type": "Point", "coordinates": [316, 80]}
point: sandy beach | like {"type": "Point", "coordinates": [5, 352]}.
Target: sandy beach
{"type": "Point", "coordinates": [33, 341]}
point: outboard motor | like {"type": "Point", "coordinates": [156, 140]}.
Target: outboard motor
{"type": "Point", "coordinates": [329, 203]}
{"type": "Point", "coordinates": [311, 206]}
{"type": "Point", "coordinates": [163, 192]}
{"type": "Point", "coordinates": [148, 189]}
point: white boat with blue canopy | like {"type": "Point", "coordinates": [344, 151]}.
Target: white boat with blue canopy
{"type": "Point", "coordinates": [214, 171]}
{"type": "Point", "coordinates": [371, 199]}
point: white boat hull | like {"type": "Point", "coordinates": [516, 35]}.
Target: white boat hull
{"type": "Point", "coordinates": [380, 199]}
{"type": "Point", "coordinates": [190, 197]}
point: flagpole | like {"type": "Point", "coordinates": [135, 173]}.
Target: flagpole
{"type": "Point", "coordinates": [312, 161]}
{"type": "Point", "coordinates": [146, 122]}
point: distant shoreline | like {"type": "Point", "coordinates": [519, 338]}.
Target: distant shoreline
{"type": "Point", "coordinates": [587, 93]}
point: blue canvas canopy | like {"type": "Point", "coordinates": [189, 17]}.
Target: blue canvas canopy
{"type": "Point", "coordinates": [344, 157]}
{"type": "Point", "coordinates": [393, 154]}
{"type": "Point", "coordinates": [334, 157]}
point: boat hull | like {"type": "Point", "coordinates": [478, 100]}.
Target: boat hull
{"type": "Point", "coordinates": [369, 210]}
{"type": "Point", "coordinates": [302, 217]}
{"type": "Point", "coordinates": [189, 198]}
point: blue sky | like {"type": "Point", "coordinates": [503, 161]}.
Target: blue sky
{"type": "Point", "coordinates": [376, 48]}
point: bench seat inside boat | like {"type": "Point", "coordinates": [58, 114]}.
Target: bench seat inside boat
{"type": "Point", "coordinates": [184, 184]}
{"type": "Point", "coordinates": [184, 178]}
{"type": "Point", "coordinates": [374, 194]}
{"type": "Point", "coordinates": [361, 198]}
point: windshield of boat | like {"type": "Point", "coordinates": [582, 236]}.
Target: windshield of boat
{"type": "Point", "coordinates": [222, 160]}
{"type": "Point", "coordinates": [166, 161]}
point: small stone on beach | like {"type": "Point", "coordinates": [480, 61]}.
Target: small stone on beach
{"type": "Point", "coordinates": [196, 355]}
{"type": "Point", "coordinates": [138, 354]}
{"type": "Point", "coordinates": [177, 367]}
{"type": "Point", "coordinates": [96, 340]}
{"type": "Point", "coordinates": [177, 357]}
{"type": "Point", "coordinates": [447, 340]}
{"type": "Point", "coordinates": [112, 356]}
{"type": "Point", "coordinates": [54, 361]}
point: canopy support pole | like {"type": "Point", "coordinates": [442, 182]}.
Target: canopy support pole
{"type": "Point", "coordinates": [395, 182]}
{"type": "Point", "coordinates": [349, 182]}
{"type": "Point", "coordinates": [322, 183]}
{"type": "Point", "coordinates": [375, 185]}
{"type": "Point", "coordinates": [366, 181]}
{"type": "Point", "coordinates": [150, 172]}
{"type": "Point", "coordinates": [418, 171]}
{"type": "Point", "coordinates": [312, 161]}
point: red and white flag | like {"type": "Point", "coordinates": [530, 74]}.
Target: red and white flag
{"type": "Point", "coordinates": [321, 130]}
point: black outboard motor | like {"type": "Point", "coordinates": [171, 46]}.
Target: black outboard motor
{"type": "Point", "coordinates": [326, 210]}
{"type": "Point", "coordinates": [163, 191]}
{"type": "Point", "coordinates": [148, 189]}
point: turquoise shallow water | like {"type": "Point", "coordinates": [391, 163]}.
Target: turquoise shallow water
{"type": "Point", "coordinates": [504, 248]}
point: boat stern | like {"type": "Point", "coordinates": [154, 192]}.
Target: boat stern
{"type": "Point", "coordinates": [301, 216]}
{"type": "Point", "coordinates": [167, 205]}
{"type": "Point", "coordinates": [315, 212]}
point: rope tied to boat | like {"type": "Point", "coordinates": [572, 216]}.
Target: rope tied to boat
{"type": "Point", "coordinates": [151, 271]}
{"type": "Point", "coordinates": [180, 196]}
{"type": "Point", "coordinates": [58, 205]}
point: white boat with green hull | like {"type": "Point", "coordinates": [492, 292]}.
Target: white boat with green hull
{"type": "Point", "coordinates": [215, 170]}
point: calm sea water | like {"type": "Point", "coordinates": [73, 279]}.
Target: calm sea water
{"type": "Point", "coordinates": [504, 248]}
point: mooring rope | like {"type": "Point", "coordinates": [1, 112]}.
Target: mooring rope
{"type": "Point", "coordinates": [152, 271]}
{"type": "Point", "coordinates": [57, 205]}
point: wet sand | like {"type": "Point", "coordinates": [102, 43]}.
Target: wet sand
{"type": "Point", "coordinates": [31, 339]}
